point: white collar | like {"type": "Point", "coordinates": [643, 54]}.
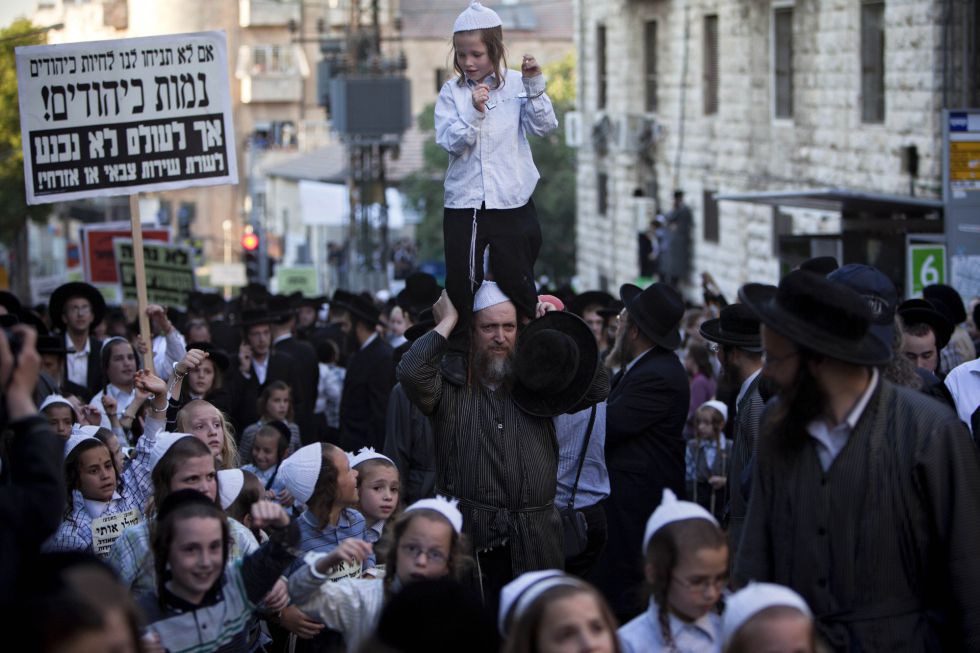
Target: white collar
{"type": "Point", "coordinates": [95, 509]}
{"type": "Point", "coordinates": [278, 339]}
{"type": "Point", "coordinates": [116, 392]}
{"type": "Point", "coordinates": [703, 623]}
{"type": "Point", "coordinates": [745, 386]}
{"type": "Point", "coordinates": [69, 345]}
{"type": "Point", "coordinates": [633, 362]}
{"type": "Point", "coordinates": [855, 413]}
{"type": "Point", "coordinates": [371, 339]}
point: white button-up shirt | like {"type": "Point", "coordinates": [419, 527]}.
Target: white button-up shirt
{"type": "Point", "coordinates": [77, 362]}
{"type": "Point", "coordinates": [830, 441]}
{"type": "Point", "coordinates": [964, 384]}
{"type": "Point", "coordinates": [644, 635]}
{"type": "Point", "coordinates": [489, 156]}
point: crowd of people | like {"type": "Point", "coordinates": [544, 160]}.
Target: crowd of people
{"type": "Point", "coordinates": [493, 466]}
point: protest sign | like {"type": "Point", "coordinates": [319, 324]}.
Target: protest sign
{"type": "Point", "coordinates": [344, 570]}
{"type": "Point", "coordinates": [106, 530]}
{"type": "Point", "coordinates": [124, 116]}
{"type": "Point", "coordinates": [99, 255]}
{"type": "Point", "coordinates": [169, 272]}
{"type": "Point", "coordinates": [301, 278]}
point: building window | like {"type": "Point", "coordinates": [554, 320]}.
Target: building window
{"type": "Point", "coordinates": [650, 63]}
{"type": "Point", "coordinates": [600, 62]}
{"type": "Point", "coordinates": [271, 60]}
{"type": "Point", "coordinates": [782, 225]}
{"type": "Point", "coordinates": [873, 62]}
{"type": "Point", "coordinates": [710, 65]}
{"type": "Point", "coordinates": [602, 193]}
{"type": "Point", "coordinates": [782, 32]}
{"type": "Point", "coordinates": [710, 233]}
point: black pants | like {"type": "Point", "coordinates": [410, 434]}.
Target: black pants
{"type": "Point", "coordinates": [514, 239]}
{"type": "Point", "coordinates": [596, 534]}
{"type": "Point", "coordinates": [495, 570]}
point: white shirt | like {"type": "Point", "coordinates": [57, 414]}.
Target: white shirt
{"type": "Point", "coordinates": [261, 369]}
{"type": "Point", "coordinates": [489, 156]}
{"type": "Point", "coordinates": [77, 362]}
{"type": "Point", "coordinates": [371, 338]}
{"type": "Point", "coordinates": [643, 634]}
{"type": "Point", "coordinates": [167, 350]}
{"type": "Point", "coordinates": [123, 399]}
{"type": "Point", "coordinates": [964, 384]}
{"type": "Point", "coordinates": [830, 441]}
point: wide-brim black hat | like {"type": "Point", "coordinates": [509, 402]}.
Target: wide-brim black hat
{"type": "Point", "coordinates": [612, 310]}
{"type": "Point", "coordinates": [10, 302]}
{"type": "Point", "coordinates": [814, 312]}
{"type": "Point", "coordinates": [656, 311]}
{"type": "Point", "coordinates": [254, 316]}
{"type": "Point", "coordinates": [215, 354]}
{"type": "Point", "coordinates": [421, 291]}
{"type": "Point", "coordinates": [425, 324]}
{"type": "Point", "coordinates": [281, 308]}
{"type": "Point", "coordinates": [951, 299]}
{"type": "Point", "coordinates": [582, 301]}
{"type": "Point", "coordinates": [927, 311]}
{"type": "Point", "coordinates": [737, 327]}
{"type": "Point", "coordinates": [362, 308]}
{"type": "Point", "coordinates": [54, 345]}
{"type": "Point", "coordinates": [64, 292]}
{"type": "Point", "coordinates": [554, 363]}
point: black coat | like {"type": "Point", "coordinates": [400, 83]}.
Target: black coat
{"type": "Point", "coordinates": [364, 402]}
{"type": "Point", "coordinates": [282, 367]}
{"type": "Point", "coordinates": [304, 393]}
{"type": "Point", "coordinates": [645, 416]}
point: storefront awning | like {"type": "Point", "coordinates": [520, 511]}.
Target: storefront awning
{"type": "Point", "coordinates": [841, 200]}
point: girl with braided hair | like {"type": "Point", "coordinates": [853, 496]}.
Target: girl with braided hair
{"type": "Point", "coordinates": [686, 569]}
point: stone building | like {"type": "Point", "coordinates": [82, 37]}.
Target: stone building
{"type": "Point", "coordinates": [825, 115]}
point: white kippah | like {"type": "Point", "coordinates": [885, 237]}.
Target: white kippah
{"type": "Point", "coordinates": [671, 510]}
{"type": "Point", "coordinates": [446, 507]}
{"type": "Point", "coordinates": [517, 595]}
{"type": "Point", "coordinates": [717, 405]}
{"type": "Point", "coordinates": [487, 295]}
{"type": "Point", "coordinates": [230, 483]}
{"type": "Point", "coordinates": [76, 438]}
{"type": "Point", "coordinates": [476, 16]}
{"type": "Point", "coordinates": [57, 400]}
{"type": "Point", "coordinates": [750, 601]}
{"type": "Point", "coordinates": [299, 472]}
{"type": "Point", "coordinates": [368, 453]}
{"type": "Point", "coordinates": [163, 444]}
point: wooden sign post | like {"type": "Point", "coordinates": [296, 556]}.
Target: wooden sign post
{"type": "Point", "coordinates": [141, 302]}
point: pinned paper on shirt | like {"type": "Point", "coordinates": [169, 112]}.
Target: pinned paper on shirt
{"type": "Point", "coordinates": [344, 570]}
{"type": "Point", "coordinates": [106, 530]}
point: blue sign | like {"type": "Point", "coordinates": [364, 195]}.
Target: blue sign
{"type": "Point", "coordinates": [958, 122]}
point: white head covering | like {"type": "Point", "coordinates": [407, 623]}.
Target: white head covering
{"type": "Point", "coordinates": [163, 444]}
{"type": "Point", "coordinates": [368, 453]}
{"type": "Point", "coordinates": [489, 294]}
{"type": "Point", "coordinates": [301, 470]}
{"type": "Point", "coordinates": [750, 601]}
{"type": "Point", "coordinates": [77, 437]}
{"type": "Point", "coordinates": [520, 593]}
{"type": "Point", "coordinates": [446, 507]}
{"type": "Point", "coordinates": [671, 510]}
{"type": "Point", "coordinates": [57, 400]}
{"type": "Point", "coordinates": [717, 405]}
{"type": "Point", "coordinates": [476, 16]}
{"type": "Point", "coordinates": [230, 483]}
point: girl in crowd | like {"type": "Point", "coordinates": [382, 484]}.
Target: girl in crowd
{"type": "Point", "coordinates": [237, 491]}
{"type": "Point", "coordinates": [269, 448]}
{"type": "Point", "coordinates": [686, 568]}
{"type": "Point", "coordinates": [398, 322]}
{"type": "Point", "coordinates": [707, 457]}
{"type": "Point", "coordinates": [329, 389]}
{"type": "Point", "coordinates": [767, 618]}
{"type": "Point", "coordinates": [96, 484]}
{"type": "Point", "coordinates": [204, 599]}
{"type": "Point", "coordinates": [200, 374]}
{"type": "Point", "coordinates": [551, 612]}
{"type": "Point", "coordinates": [377, 491]}
{"type": "Point", "coordinates": [427, 544]}
{"type": "Point", "coordinates": [275, 404]}
{"type": "Point", "coordinates": [119, 364]}
{"type": "Point", "coordinates": [60, 414]}
{"type": "Point", "coordinates": [697, 362]}
{"type": "Point", "coordinates": [205, 422]}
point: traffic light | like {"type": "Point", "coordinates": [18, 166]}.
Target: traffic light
{"type": "Point", "coordinates": [251, 254]}
{"type": "Point", "coordinates": [250, 241]}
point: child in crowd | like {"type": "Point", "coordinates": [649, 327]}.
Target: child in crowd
{"type": "Point", "coordinates": [550, 611]}
{"type": "Point", "coordinates": [686, 568]}
{"type": "Point", "coordinates": [96, 484]}
{"type": "Point", "coordinates": [697, 363]}
{"type": "Point", "coordinates": [204, 599]}
{"type": "Point", "coordinates": [378, 489]}
{"type": "Point", "coordinates": [482, 119]}
{"type": "Point", "coordinates": [707, 457]}
{"type": "Point", "coordinates": [237, 491]}
{"type": "Point", "coordinates": [270, 447]}
{"type": "Point", "coordinates": [427, 544]}
{"type": "Point", "coordinates": [60, 414]}
{"type": "Point", "coordinates": [329, 389]}
{"type": "Point", "coordinates": [275, 404]}
{"type": "Point", "coordinates": [768, 618]}
{"type": "Point", "coordinates": [205, 422]}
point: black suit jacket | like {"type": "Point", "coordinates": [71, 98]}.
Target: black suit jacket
{"type": "Point", "coordinates": [364, 402]}
{"type": "Point", "coordinates": [282, 367]}
{"type": "Point", "coordinates": [308, 379]}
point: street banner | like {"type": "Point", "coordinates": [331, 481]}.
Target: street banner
{"type": "Point", "coordinates": [125, 116]}
{"type": "Point", "coordinates": [106, 530]}
{"type": "Point", "coordinates": [99, 254]}
{"type": "Point", "coordinates": [169, 272]}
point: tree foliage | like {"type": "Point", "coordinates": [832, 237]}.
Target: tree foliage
{"type": "Point", "coordinates": [554, 196]}
{"type": "Point", "coordinates": [13, 201]}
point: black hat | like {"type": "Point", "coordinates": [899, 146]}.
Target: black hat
{"type": "Point", "coordinates": [215, 354]}
{"type": "Point", "coordinates": [51, 345]}
{"type": "Point", "coordinates": [362, 308]}
{"type": "Point", "coordinates": [30, 318]}
{"type": "Point", "coordinates": [826, 317]}
{"type": "Point", "coordinates": [656, 311]}
{"type": "Point", "coordinates": [421, 292]}
{"type": "Point", "coordinates": [822, 265]}
{"type": "Point", "coordinates": [280, 309]}
{"type": "Point", "coordinates": [951, 299]}
{"type": "Point", "coordinates": [425, 324]}
{"type": "Point", "coordinates": [211, 303]}
{"type": "Point", "coordinates": [877, 290]}
{"type": "Point", "coordinates": [582, 301]}
{"type": "Point", "coordinates": [737, 326]}
{"type": "Point", "coordinates": [312, 302]}
{"type": "Point", "coordinates": [927, 311]}
{"type": "Point", "coordinates": [554, 364]}
{"type": "Point", "coordinates": [612, 310]}
{"type": "Point", "coordinates": [65, 292]}
{"type": "Point", "coordinates": [10, 302]}
{"type": "Point", "coordinates": [254, 316]}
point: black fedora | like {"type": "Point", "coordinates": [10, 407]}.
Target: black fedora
{"type": "Point", "coordinates": [582, 301]}
{"type": "Point", "coordinates": [255, 316]}
{"type": "Point", "coordinates": [425, 324]}
{"type": "Point", "coordinates": [656, 311]}
{"type": "Point", "coordinates": [54, 345]}
{"type": "Point", "coordinates": [363, 308]}
{"type": "Point", "coordinates": [421, 291]}
{"type": "Point", "coordinates": [928, 311]}
{"type": "Point", "coordinates": [737, 326]}
{"type": "Point", "coordinates": [10, 302]}
{"type": "Point", "coordinates": [554, 363]}
{"type": "Point", "coordinates": [281, 308]}
{"type": "Point", "coordinates": [951, 299]}
{"type": "Point", "coordinates": [814, 312]}
{"type": "Point", "coordinates": [65, 292]}
{"type": "Point", "coordinates": [216, 355]}
{"type": "Point", "coordinates": [612, 310]}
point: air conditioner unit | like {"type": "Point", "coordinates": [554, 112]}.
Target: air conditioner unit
{"type": "Point", "coordinates": [637, 132]}
{"type": "Point", "coordinates": [573, 129]}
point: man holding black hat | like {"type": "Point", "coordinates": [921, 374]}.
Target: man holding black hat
{"type": "Point", "coordinates": [645, 417]}
{"type": "Point", "coordinates": [738, 345]}
{"type": "Point", "coordinates": [864, 497]}
{"type": "Point", "coordinates": [303, 353]}
{"type": "Point", "coordinates": [258, 364]}
{"type": "Point", "coordinates": [74, 309]}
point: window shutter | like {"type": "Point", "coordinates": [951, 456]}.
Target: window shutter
{"type": "Point", "coordinates": [650, 63]}
{"type": "Point", "coordinates": [710, 65]}
{"type": "Point", "coordinates": [873, 62]}
{"type": "Point", "coordinates": [783, 33]}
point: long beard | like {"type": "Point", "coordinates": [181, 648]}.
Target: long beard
{"type": "Point", "coordinates": [494, 370]}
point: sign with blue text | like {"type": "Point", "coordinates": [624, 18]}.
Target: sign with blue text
{"type": "Point", "coordinates": [125, 116]}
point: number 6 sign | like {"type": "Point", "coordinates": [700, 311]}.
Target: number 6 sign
{"type": "Point", "coordinates": [926, 266]}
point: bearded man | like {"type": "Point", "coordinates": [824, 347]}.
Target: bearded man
{"type": "Point", "coordinates": [499, 461]}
